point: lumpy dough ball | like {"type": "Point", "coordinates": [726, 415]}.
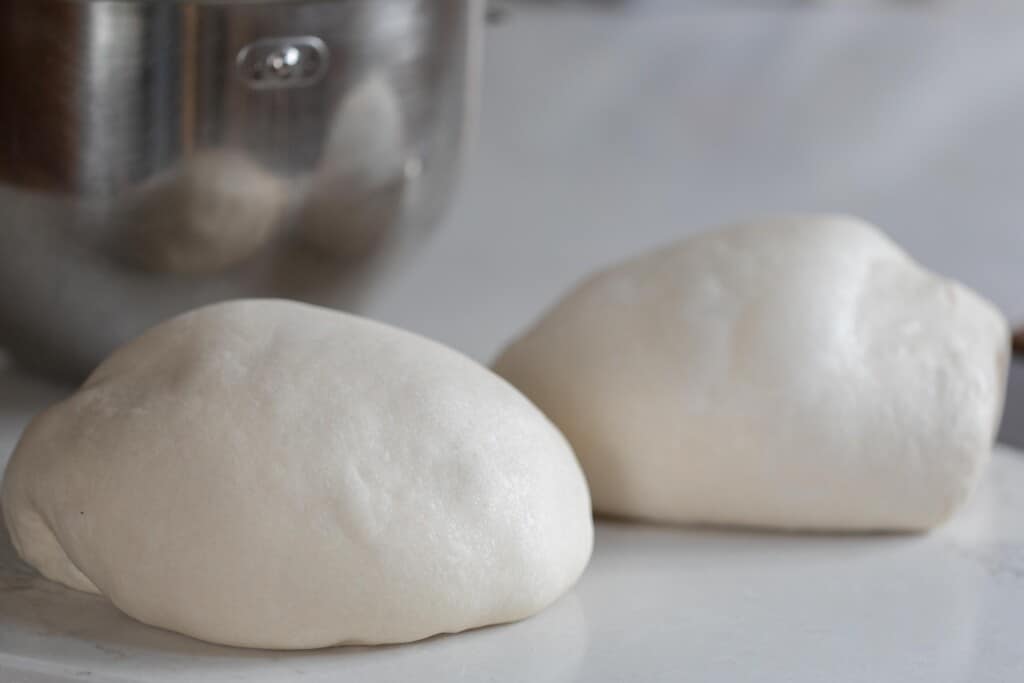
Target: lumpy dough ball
{"type": "Point", "coordinates": [799, 372]}
{"type": "Point", "coordinates": [271, 474]}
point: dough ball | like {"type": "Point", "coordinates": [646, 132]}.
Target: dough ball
{"type": "Point", "coordinates": [356, 196]}
{"type": "Point", "coordinates": [797, 372]}
{"type": "Point", "coordinates": [210, 213]}
{"type": "Point", "coordinates": [272, 474]}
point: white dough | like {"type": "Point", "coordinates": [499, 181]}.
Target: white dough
{"type": "Point", "coordinates": [272, 474]}
{"type": "Point", "coordinates": [799, 372]}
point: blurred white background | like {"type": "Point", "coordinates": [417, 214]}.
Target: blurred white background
{"type": "Point", "coordinates": [607, 131]}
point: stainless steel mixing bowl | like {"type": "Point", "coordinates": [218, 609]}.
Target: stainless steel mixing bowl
{"type": "Point", "coordinates": [156, 155]}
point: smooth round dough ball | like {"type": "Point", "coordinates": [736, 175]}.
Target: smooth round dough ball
{"type": "Point", "coordinates": [272, 474]}
{"type": "Point", "coordinates": [799, 372]}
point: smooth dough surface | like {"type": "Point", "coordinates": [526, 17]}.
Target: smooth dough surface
{"type": "Point", "coordinates": [798, 372]}
{"type": "Point", "coordinates": [272, 474]}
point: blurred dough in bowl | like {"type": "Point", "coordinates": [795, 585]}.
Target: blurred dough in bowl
{"type": "Point", "coordinates": [798, 372]}
{"type": "Point", "coordinates": [272, 474]}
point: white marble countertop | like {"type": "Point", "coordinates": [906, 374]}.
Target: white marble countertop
{"type": "Point", "coordinates": [606, 133]}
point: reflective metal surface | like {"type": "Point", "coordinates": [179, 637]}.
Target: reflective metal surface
{"type": "Point", "coordinates": [156, 155]}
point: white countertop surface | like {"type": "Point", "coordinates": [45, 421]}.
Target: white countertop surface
{"type": "Point", "coordinates": [604, 133]}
